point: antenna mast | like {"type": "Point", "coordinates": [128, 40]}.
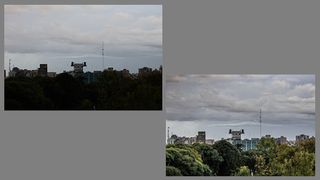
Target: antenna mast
{"type": "Point", "coordinates": [168, 134]}
{"type": "Point", "coordinates": [102, 51]}
{"type": "Point", "coordinates": [260, 123]}
{"type": "Point", "coordinates": [9, 65]}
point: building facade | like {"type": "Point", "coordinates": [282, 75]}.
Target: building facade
{"type": "Point", "coordinates": [301, 137]}
{"type": "Point", "coordinates": [201, 137]}
{"type": "Point", "coordinates": [43, 70]}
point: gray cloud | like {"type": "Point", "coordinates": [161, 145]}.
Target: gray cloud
{"type": "Point", "coordinates": [196, 97]}
{"type": "Point", "coordinates": [129, 31]}
{"type": "Point", "coordinates": [215, 103]}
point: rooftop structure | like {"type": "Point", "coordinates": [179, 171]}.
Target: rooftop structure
{"type": "Point", "coordinates": [43, 70]}
{"type": "Point", "coordinates": [301, 137]}
{"type": "Point", "coordinates": [201, 137]}
{"type": "Point", "coordinates": [236, 135]}
{"type": "Point", "coordinates": [78, 67]}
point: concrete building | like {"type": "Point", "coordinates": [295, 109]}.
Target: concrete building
{"type": "Point", "coordinates": [90, 77]}
{"type": "Point", "coordinates": [43, 70]}
{"type": "Point", "coordinates": [201, 137]}
{"type": "Point", "coordinates": [236, 135]}
{"type": "Point", "coordinates": [34, 73]}
{"type": "Point", "coordinates": [182, 140]}
{"type": "Point", "coordinates": [78, 67]}
{"type": "Point", "coordinates": [301, 137]}
{"type": "Point", "coordinates": [145, 71]}
{"type": "Point", "coordinates": [52, 74]}
{"type": "Point", "coordinates": [125, 73]}
{"type": "Point", "coordinates": [210, 141]}
{"type": "Point", "coordinates": [110, 69]}
{"type": "Point", "coordinates": [192, 140]}
{"type": "Point", "coordinates": [268, 136]}
{"type": "Point", "coordinates": [172, 139]}
{"type": "Point", "coordinates": [249, 144]}
{"type": "Point", "coordinates": [246, 144]}
{"type": "Point", "coordinates": [14, 71]}
{"type": "Point", "coordinates": [281, 140]}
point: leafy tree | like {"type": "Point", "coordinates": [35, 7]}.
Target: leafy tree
{"type": "Point", "coordinates": [262, 168]}
{"type": "Point", "coordinates": [187, 161]}
{"type": "Point", "coordinates": [24, 94]}
{"type": "Point", "coordinates": [209, 156]}
{"type": "Point", "coordinates": [269, 159]}
{"type": "Point", "coordinates": [172, 171]}
{"type": "Point", "coordinates": [248, 158]}
{"type": "Point", "coordinates": [307, 145]}
{"type": "Point", "coordinates": [110, 91]}
{"type": "Point", "coordinates": [243, 171]}
{"type": "Point", "coordinates": [266, 149]}
{"type": "Point", "coordinates": [293, 161]}
{"type": "Point", "coordinates": [231, 158]}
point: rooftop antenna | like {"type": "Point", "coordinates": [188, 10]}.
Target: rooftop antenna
{"type": "Point", "coordinates": [9, 65]}
{"type": "Point", "coordinates": [260, 122]}
{"type": "Point", "coordinates": [262, 102]}
{"type": "Point", "coordinates": [102, 51]}
{"type": "Point", "coordinates": [168, 132]}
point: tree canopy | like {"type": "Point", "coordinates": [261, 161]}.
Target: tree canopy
{"type": "Point", "coordinates": [225, 159]}
{"type": "Point", "coordinates": [111, 91]}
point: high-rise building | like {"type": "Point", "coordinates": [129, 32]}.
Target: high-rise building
{"type": "Point", "coordinates": [236, 135]}
{"type": "Point", "coordinates": [43, 70]}
{"type": "Point", "coordinates": [125, 73]}
{"type": "Point", "coordinates": [281, 140]}
{"type": "Point", "coordinates": [145, 71]}
{"type": "Point", "coordinates": [249, 144]}
{"type": "Point", "coordinates": [172, 139]}
{"type": "Point", "coordinates": [14, 72]}
{"type": "Point", "coordinates": [78, 67]}
{"type": "Point", "coordinates": [201, 137]}
{"type": "Point", "coordinates": [301, 137]}
{"type": "Point", "coordinates": [246, 144]}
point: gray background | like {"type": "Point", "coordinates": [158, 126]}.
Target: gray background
{"type": "Point", "coordinates": [200, 36]}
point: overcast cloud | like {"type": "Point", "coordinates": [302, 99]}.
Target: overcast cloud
{"type": "Point", "coordinates": [59, 34]}
{"type": "Point", "coordinates": [216, 103]}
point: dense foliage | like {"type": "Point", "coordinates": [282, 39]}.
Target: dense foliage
{"type": "Point", "coordinates": [110, 91]}
{"type": "Point", "coordinates": [225, 159]}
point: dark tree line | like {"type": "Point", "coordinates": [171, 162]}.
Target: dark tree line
{"type": "Point", "coordinates": [110, 91]}
{"type": "Point", "coordinates": [225, 159]}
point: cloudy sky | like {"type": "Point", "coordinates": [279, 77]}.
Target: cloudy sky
{"type": "Point", "coordinates": [60, 34]}
{"type": "Point", "coordinates": [217, 103]}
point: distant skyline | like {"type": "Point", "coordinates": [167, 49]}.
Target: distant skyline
{"type": "Point", "coordinates": [217, 103]}
{"type": "Point", "coordinates": [59, 34]}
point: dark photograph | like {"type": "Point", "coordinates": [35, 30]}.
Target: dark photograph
{"type": "Point", "coordinates": [83, 57]}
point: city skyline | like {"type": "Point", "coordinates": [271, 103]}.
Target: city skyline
{"type": "Point", "coordinates": [229, 136]}
{"type": "Point", "coordinates": [217, 103]}
{"type": "Point", "coordinates": [59, 34]}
